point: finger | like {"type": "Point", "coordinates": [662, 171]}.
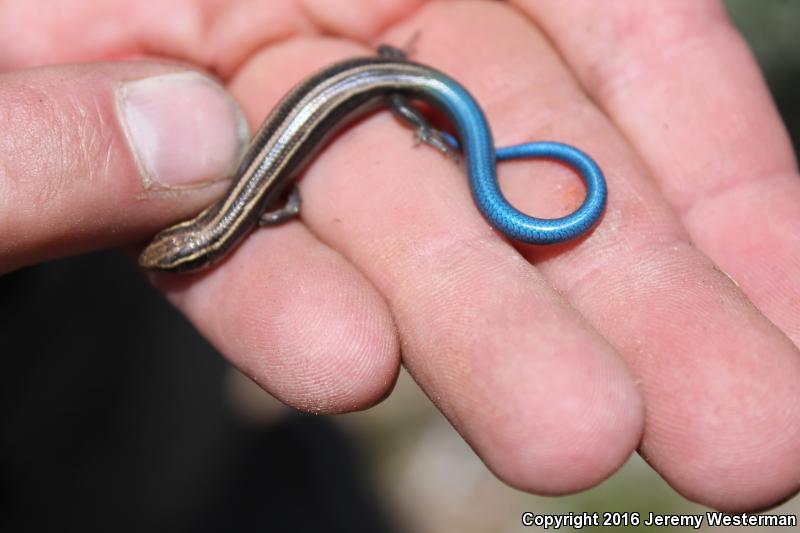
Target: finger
{"type": "Point", "coordinates": [538, 394]}
{"type": "Point", "coordinates": [102, 155]}
{"type": "Point", "coordinates": [718, 379]}
{"type": "Point", "coordinates": [219, 36]}
{"type": "Point", "coordinates": [295, 317]}
{"type": "Point", "coordinates": [360, 19]}
{"type": "Point", "coordinates": [684, 88]}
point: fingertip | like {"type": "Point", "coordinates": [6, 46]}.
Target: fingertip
{"type": "Point", "coordinates": [736, 453]}
{"type": "Point", "coordinates": [337, 348]}
{"type": "Point", "coordinates": [582, 436]}
{"type": "Point", "coordinates": [297, 319]}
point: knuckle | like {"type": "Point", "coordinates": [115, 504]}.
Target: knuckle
{"type": "Point", "coordinates": [679, 23]}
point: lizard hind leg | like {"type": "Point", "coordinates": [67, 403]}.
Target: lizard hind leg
{"type": "Point", "coordinates": [285, 213]}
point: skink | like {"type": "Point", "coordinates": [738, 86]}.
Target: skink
{"type": "Point", "coordinates": [320, 106]}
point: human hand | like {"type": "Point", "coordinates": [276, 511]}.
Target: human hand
{"type": "Point", "coordinates": [555, 372]}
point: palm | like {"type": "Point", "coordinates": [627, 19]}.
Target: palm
{"type": "Point", "coordinates": [545, 384]}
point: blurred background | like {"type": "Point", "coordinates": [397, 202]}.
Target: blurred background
{"type": "Point", "coordinates": [102, 434]}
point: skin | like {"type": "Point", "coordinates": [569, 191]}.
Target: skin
{"type": "Point", "coordinates": [671, 329]}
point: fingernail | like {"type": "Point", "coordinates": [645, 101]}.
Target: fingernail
{"type": "Point", "coordinates": [183, 129]}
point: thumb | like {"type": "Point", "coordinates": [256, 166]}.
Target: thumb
{"type": "Point", "coordinates": [103, 155]}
